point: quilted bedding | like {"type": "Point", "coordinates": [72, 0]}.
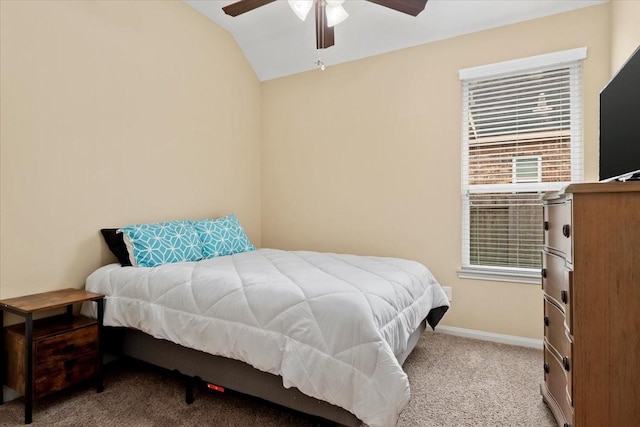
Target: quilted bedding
{"type": "Point", "coordinates": [329, 324]}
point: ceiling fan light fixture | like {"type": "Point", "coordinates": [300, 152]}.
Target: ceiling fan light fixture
{"type": "Point", "coordinates": [335, 12]}
{"type": "Point", "coordinates": [301, 7]}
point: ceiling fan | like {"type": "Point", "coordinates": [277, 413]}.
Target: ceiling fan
{"type": "Point", "coordinates": [328, 13]}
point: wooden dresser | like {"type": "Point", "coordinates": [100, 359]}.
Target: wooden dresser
{"type": "Point", "coordinates": [591, 284]}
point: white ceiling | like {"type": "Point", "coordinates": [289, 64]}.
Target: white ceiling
{"type": "Point", "coordinates": [278, 44]}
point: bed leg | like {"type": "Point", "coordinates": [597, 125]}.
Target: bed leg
{"type": "Point", "coordinates": [189, 384]}
{"type": "Point", "coordinates": [188, 396]}
{"type": "Point", "coordinates": [321, 422]}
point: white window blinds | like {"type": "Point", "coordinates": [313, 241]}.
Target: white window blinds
{"type": "Point", "coordinates": [521, 136]}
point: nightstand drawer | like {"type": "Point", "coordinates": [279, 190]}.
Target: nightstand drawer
{"type": "Point", "coordinates": [68, 345]}
{"type": "Point", "coordinates": [555, 330]}
{"type": "Point", "coordinates": [557, 228]}
{"type": "Point", "coordinates": [59, 375]}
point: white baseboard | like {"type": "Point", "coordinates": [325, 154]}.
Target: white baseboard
{"type": "Point", "coordinates": [490, 336]}
{"type": "Point", "coordinates": [9, 394]}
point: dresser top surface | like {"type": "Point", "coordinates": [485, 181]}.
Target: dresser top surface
{"type": "Point", "coordinates": [604, 187]}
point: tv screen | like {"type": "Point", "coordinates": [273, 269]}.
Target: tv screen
{"type": "Point", "coordinates": [620, 121]}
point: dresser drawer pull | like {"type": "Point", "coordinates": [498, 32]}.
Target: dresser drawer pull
{"type": "Point", "coordinates": [566, 425]}
{"type": "Point", "coordinates": [546, 368]}
{"type": "Point", "coordinates": [564, 297]}
{"type": "Point", "coordinates": [545, 225]}
{"type": "Point", "coordinates": [566, 230]}
{"type": "Point", "coordinates": [565, 363]}
{"type": "Point", "coordinates": [544, 273]}
{"type": "Point", "coordinates": [546, 321]}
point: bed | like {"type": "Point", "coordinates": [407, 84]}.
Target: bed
{"type": "Point", "coordinates": [322, 333]}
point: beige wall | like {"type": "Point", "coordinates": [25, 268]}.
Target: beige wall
{"type": "Point", "coordinates": [625, 31]}
{"type": "Point", "coordinates": [365, 156]}
{"type": "Point", "coordinates": [114, 113]}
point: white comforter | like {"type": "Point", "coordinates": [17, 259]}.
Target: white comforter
{"type": "Point", "coordinates": [329, 324]}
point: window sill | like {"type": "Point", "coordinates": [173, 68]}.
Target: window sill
{"type": "Point", "coordinates": [498, 274]}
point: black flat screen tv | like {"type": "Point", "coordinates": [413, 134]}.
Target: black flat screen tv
{"type": "Point", "coordinates": [620, 121]}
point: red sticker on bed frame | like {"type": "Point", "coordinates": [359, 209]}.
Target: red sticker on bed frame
{"type": "Point", "coordinates": [215, 387]}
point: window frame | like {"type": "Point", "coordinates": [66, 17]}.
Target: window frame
{"type": "Point", "coordinates": [522, 65]}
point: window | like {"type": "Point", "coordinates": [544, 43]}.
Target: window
{"type": "Point", "coordinates": [527, 169]}
{"type": "Point", "coordinates": [521, 136]}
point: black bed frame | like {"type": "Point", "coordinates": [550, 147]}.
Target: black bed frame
{"type": "Point", "coordinates": [236, 375]}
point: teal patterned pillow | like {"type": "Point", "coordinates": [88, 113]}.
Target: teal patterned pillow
{"type": "Point", "coordinates": [150, 245]}
{"type": "Point", "coordinates": [222, 236]}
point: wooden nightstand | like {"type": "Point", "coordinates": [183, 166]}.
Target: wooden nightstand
{"type": "Point", "coordinates": [51, 353]}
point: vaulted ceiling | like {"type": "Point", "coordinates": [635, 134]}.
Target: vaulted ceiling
{"type": "Point", "coordinates": [278, 44]}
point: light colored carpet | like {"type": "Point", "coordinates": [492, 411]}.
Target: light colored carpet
{"type": "Point", "coordinates": [454, 382]}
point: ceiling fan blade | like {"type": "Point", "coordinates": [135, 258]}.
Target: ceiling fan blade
{"type": "Point", "coordinates": [324, 33]}
{"type": "Point", "coordinates": [242, 6]}
{"type": "Point", "coordinates": [410, 7]}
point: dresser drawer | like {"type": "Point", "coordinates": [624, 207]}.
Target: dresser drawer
{"type": "Point", "coordinates": [68, 345]}
{"type": "Point", "coordinates": [59, 375]}
{"type": "Point", "coordinates": [557, 285]}
{"type": "Point", "coordinates": [556, 331]}
{"type": "Point", "coordinates": [558, 385]}
{"type": "Point", "coordinates": [557, 228]}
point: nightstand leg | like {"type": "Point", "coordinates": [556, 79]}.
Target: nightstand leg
{"type": "Point", "coordinates": [28, 335]}
{"type": "Point", "coordinates": [99, 376]}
